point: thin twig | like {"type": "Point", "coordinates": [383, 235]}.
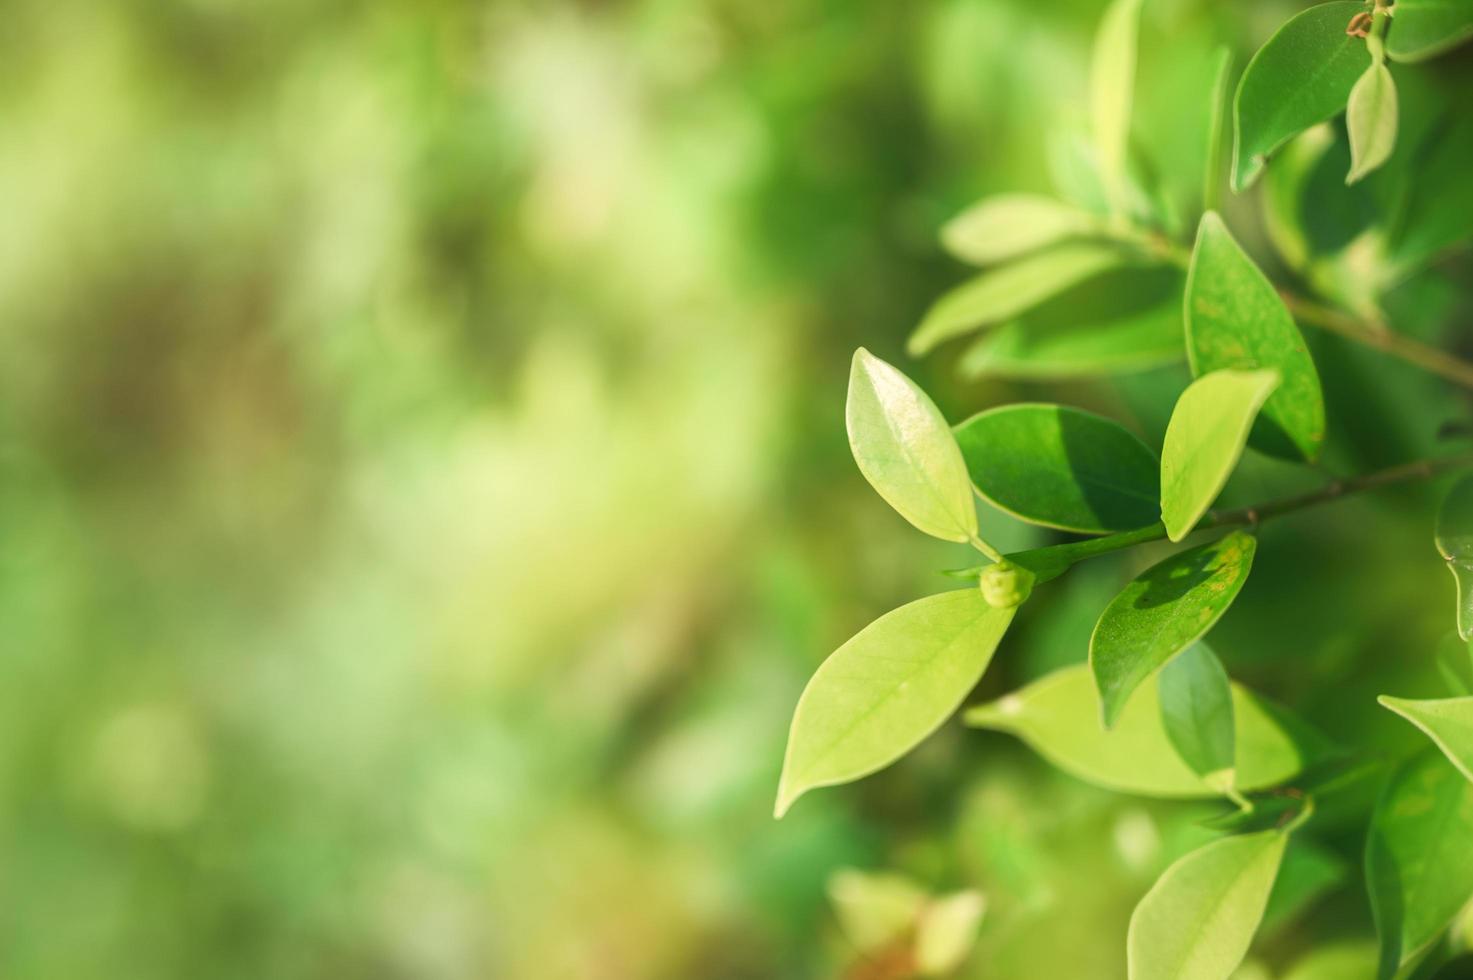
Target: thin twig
{"type": "Point", "coordinates": [1398, 345]}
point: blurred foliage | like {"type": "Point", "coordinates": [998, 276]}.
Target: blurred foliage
{"type": "Point", "coordinates": [423, 488]}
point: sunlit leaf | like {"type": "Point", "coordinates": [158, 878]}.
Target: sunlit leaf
{"type": "Point", "coordinates": [1061, 467]}
{"type": "Point", "coordinates": [1424, 28]}
{"type": "Point", "coordinates": [1198, 920]}
{"type": "Point", "coordinates": [1454, 540]}
{"type": "Point", "coordinates": [906, 451]}
{"type": "Point", "coordinates": [1010, 225]}
{"type": "Point", "coordinates": [1059, 718]}
{"type": "Point", "coordinates": [1162, 612]}
{"type": "Point", "coordinates": [1001, 293]}
{"type": "Point", "coordinates": [1302, 76]}
{"type": "Point", "coordinates": [1447, 721]}
{"type": "Point", "coordinates": [1111, 94]}
{"type": "Point", "coordinates": [877, 696]}
{"type": "Point", "coordinates": [1197, 713]}
{"type": "Point", "coordinates": [1419, 856]}
{"type": "Point", "coordinates": [1370, 118]}
{"type": "Point", "coordinates": [874, 909]}
{"type": "Point", "coordinates": [1236, 320]}
{"type": "Point", "coordinates": [947, 932]}
{"type": "Point", "coordinates": [1204, 440]}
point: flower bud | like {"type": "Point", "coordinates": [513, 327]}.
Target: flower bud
{"type": "Point", "coordinates": [1005, 585]}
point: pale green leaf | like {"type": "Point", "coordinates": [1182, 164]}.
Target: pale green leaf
{"type": "Point", "coordinates": [874, 909]}
{"type": "Point", "coordinates": [1212, 178]}
{"type": "Point", "coordinates": [880, 694]}
{"type": "Point", "coordinates": [1061, 467]}
{"type": "Point", "coordinates": [1454, 540]}
{"type": "Point", "coordinates": [1424, 28]}
{"type": "Point", "coordinates": [1370, 119]}
{"type": "Point", "coordinates": [1057, 716]}
{"type": "Point", "coordinates": [1204, 440]}
{"type": "Point", "coordinates": [1197, 712]}
{"type": "Point", "coordinates": [906, 451]}
{"type": "Point", "coordinates": [1447, 721]}
{"type": "Point", "coordinates": [1419, 856]}
{"type": "Point", "coordinates": [1163, 611]}
{"type": "Point", "coordinates": [1001, 293]}
{"type": "Point", "coordinates": [1111, 93]}
{"type": "Point", "coordinates": [1235, 320]}
{"type": "Point", "coordinates": [1198, 920]}
{"type": "Point", "coordinates": [947, 932]}
{"type": "Point", "coordinates": [1010, 225]}
{"type": "Point", "coordinates": [1302, 76]}
{"type": "Point", "coordinates": [1286, 194]}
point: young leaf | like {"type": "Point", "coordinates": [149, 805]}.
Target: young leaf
{"type": "Point", "coordinates": [1423, 28]}
{"type": "Point", "coordinates": [1454, 540]}
{"type": "Point", "coordinates": [1004, 292]}
{"type": "Point", "coordinates": [1447, 721]}
{"type": "Point", "coordinates": [1302, 76]}
{"type": "Point", "coordinates": [1056, 716]}
{"type": "Point", "coordinates": [947, 931]}
{"type": "Point", "coordinates": [1236, 320]}
{"type": "Point", "coordinates": [1061, 467]}
{"type": "Point", "coordinates": [1419, 856]}
{"type": "Point", "coordinates": [1212, 177]}
{"type": "Point", "coordinates": [877, 696]}
{"type": "Point", "coordinates": [1197, 713]}
{"type": "Point", "coordinates": [1009, 225]}
{"type": "Point", "coordinates": [1198, 920]}
{"type": "Point", "coordinates": [906, 451]}
{"type": "Point", "coordinates": [1204, 440]}
{"type": "Point", "coordinates": [1370, 119]}
{"type": "Point", "coordinates": [874, 909]}
{"type": "Point", "coordinates": [1111, 92]}
{"type": "Point", "coordinates": [1166, 609]}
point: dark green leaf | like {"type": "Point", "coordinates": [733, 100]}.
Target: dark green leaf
{"type": "Point", "coordinates": [906, 451]}
{"type": "Point", "coordinates": [1061, 467]}
{"type": "Point", "coordinates": [1197, 713]}
{"type": "Point", "coordinates": [1056, 715]}
{"type": "Point", "coordinates": [1447, 721]}
{"type": "Point", "coordinates": [1419, 856]}
{"type": "Point", "coordinates": [1439, 207]}
{"type": "Point", "coordinates": [877, 696]}
{"type": "Point", "coordinates": [1204, 441]}
{"type": "Point", "coordinates": [1302, 76]}
{"type": "Point", "coordinates": [1236, 320]}
{"type": "Point", "coordinates": [1198, 920]}
{"type": "Point", "coordinates": [1004, 292]}
{"type": "Point", "coordinates": [1423, 28]}
{"type": "Point", "coordinates": [1308, 873]}
{"type": "Point", "coordinates": [1165, 610]}
{"type": "Point", "coordinates": [1009, 225]}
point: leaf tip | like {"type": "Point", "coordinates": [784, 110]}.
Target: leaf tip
{"type": "Point", "coordinates": [787, 795]}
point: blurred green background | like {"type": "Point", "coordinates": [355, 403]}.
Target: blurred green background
{"type": "Point", "coordinates": [424, 491]}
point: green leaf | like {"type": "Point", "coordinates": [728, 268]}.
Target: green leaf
{"type": "Point", "coordinates": [1236, 320]}
{"type": "Point", "coordinates": [1212, 176]}
{"type": "Point", "coordinates": [1439, 206]}
{"type": "Point", "coordinates": [1198, 920]}
{"type": "Point", "coordinates": [1204, 441]}
{"type": "Point", "coordinates": [1124, 320]}
{"type": "Point", "coordinates": [1061, 467]}
{"type": "Point", "coordinates": [947, 932]}
{"type": "Point", "coordinates": [1419, 856]}
{"type": "Point", "coordinates": [877, 696]}
{"type": "Point", "coordinates": [1447, 721]}
{"type": "Point", "coordinates": [1423, 28]}
{"type": "Point", "coordinates": [1166, 609]}
{"type": "Point", "coordinates": [1302, 76]}
{"type": "Point", "coordinates": [1454, 540]}
{"type": "Point", "coordinates": [1308, 873]}
{"type": "Point", "coordinates": [1370, 118]}
{"type": "Point", "coordinates": [1005, 292]}
{"type": "Point", "coordinates": [874, 909]}
{"type": "Point", "coordinates": [1197, 713]}
{"type": "Point", "coordinates": [1009, 225]}
{"type": "Point", "coordinates": [1111, 91]}
{"type": "Point", "coordinates": [1455, 664]}
{"type": "Point", "coordinates": [1349, 960]}
{"type": "Point", "coordinates": [906, 451]}
{"type": "Point", "coordinates": [1057, 717]}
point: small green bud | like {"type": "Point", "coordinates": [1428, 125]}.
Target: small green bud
{"type": "Point", "coordinates": [1005, 585]}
